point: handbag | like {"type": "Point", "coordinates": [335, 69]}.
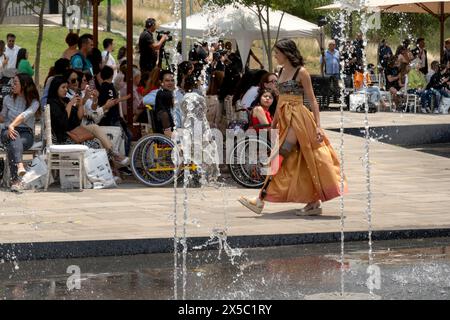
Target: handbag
{"type": "Point", "coordinates": [80, 134]}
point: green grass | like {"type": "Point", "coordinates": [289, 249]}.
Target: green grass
{"type": "Point", "coordinates": [53, 44]}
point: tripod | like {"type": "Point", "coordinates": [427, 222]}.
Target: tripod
{"type": "Point", "coordinates": [164, 55]}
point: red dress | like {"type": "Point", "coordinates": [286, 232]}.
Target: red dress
{"type": "Point", "coordinates": [255, 124]}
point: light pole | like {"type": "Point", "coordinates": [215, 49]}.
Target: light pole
{"type": "Point", "coordinates": [183, 30]}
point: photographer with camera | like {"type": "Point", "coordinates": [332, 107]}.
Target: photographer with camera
{"type": "Point", "coordinates": [148, 47]}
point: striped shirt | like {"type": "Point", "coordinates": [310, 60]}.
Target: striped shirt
{"type": "Point", "coordinates": [12, 108]}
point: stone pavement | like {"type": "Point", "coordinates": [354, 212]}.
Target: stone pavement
{"type": "Point", "coordinates": [410, 190]}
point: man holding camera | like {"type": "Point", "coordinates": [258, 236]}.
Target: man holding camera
{"type": "Point", "coordinates": [148, 47]}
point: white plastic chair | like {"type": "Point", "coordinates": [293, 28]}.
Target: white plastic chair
{"type": "Point", "coordinates": [60, 157]}
{"type": "Point", "coordinates": [411, 98]}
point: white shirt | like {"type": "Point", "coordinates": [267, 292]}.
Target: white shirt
{"type": "Point", "coordinates": [111, 62]}
{"type": "Point", "coordinates": [249, 97]}
{"type": "Point", "coordinates": [12, 56]}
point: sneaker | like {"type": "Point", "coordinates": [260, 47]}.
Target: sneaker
{"type": "Point", "coordinates": [429, 110]}
{"type": "Point", "coordinates": [124, 161]}
{"type": "Point", "coordinates": [118, 180]}
{"type": "Point", "coordinates": [436, 111]}
{"type": "Point", "coordinates": [126, 171]}
{"type": "Point", "coordinates": [423, 110]}
{"type": "Point", "coordinates": [17, 187]}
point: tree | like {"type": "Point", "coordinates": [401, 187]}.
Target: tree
{"type": "Point", "coordinates": [38, 8]}
{"type": "Point", "coordinates": [3, 6]}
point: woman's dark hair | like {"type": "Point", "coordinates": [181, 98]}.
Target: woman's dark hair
{"type": "Point", "coordinates": [72, 39]}
{"type": "Point", "coordinates": [290, 50]}
{"type": "Point", "coordinates": [190, 83]}
{"type": "Point", "coordinates": [96, 59]}
{"type": "Point", "coordinates": [250, 79]}
{"type": "Point", "coordinates": [400, 50]}
{"type": "Point", "coordinates": [21, 55]}
{"type": "Point", "coordinates": [183, 70]}
{"type": "Point", "coordinates": [54, 86]}
{"type": "Point", "coordinates": [145, 77]}
{"type": "Point", "coordinates": [122, 53]}
{"type": "Point", "coordinates": [29, 89]}
{"type": "Point", "coordinates": [61, 66]}
{"type": "Point", "coordinates": [261, 92]}
{"type": "Point", "coordinates": [265, 78]}
{"type": "Point", "coordinates": [215, 83]}
{"type": "Point", "coordinates": [69, 72]}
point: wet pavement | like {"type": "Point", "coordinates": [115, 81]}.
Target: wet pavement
{"type": "Point", "coordinates": [412, 269]}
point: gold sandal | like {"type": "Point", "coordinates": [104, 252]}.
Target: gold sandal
{"type": "Point", "coordinates": [311, 211]}
{"type": "Point", "coordinates": [256, 208]}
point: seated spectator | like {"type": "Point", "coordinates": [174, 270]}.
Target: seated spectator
{"type": "Point", "coordinates": [269, 81]}
{"type": "Point", "coordinates": [72, 42]}
{"type": "Point", "coordinates": [18, 114]}
{"type": "Point", "coordinates": [433, 70]}
{"type": "Point", "coordinates": [260, 116]}
{"type": "Point", "coordinates": [72, 78]}
{"type": "Point", "coordinates": [437, 88]}
{"type": "Point", "coordinates": [365, 84]}
{"type": "Point", "coordinates": [392, 74]}
{"type": "Point", "coordinates": [59, 69]}
{"type": "Point", "coordinates": [138, 105]}
{"type": "Point", "coordinates": [67, 115]}
{"type": "Point", "coordinates": [23, 65]}
{"type": "Point", "coordinates": [164, 105]}
{"type": "Point", "coordinates": [417, 82]}
{"type": "Point", "coordinates": [247, 89]}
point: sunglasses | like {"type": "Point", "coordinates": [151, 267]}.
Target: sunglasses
{"type": "Point", "coordinates": [73, 81]}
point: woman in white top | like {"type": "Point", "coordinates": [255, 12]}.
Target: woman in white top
{"type": "Point", "coordinates": [18, 114]}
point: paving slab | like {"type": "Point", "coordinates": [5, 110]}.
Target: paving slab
{"type": "Point", "coordinates": [410, 190]}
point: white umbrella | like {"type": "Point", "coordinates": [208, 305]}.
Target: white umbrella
{"type": "Point", "coordinates": [241, 23]}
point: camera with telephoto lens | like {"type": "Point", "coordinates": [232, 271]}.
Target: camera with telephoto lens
{"type": "Point", "coordinates": [160, 33]}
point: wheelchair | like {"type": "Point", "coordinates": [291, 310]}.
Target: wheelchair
{"type": "Point", "coordinates": [245, 160]}
{"type": "Point", "coordinates": [153, 161]}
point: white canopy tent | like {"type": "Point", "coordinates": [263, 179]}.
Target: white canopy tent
{"type": "Point", "coordinates": [241, 24]}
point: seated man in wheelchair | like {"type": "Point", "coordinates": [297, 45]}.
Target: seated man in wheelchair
{"type": "Point", "coordinates": [164, 105]}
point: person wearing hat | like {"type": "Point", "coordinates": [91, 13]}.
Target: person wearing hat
{"type": "Point", "coordinates": [148, 47]}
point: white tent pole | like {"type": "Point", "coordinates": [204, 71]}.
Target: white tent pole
{"type": "Point", "coordinates": [183, 30]}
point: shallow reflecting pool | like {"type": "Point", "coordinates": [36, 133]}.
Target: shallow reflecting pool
{"type": "Point", "coordinates": [408, 269]}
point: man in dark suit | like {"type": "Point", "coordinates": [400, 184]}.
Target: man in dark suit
{"type": "Point", "coordinates": [421, 53]}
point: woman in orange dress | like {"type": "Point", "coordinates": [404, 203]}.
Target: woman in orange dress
{"type": "Point", "coordinates": [307, 169]}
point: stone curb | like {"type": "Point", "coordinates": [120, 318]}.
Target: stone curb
{"type": "Point", "coordinates": [104, 248]}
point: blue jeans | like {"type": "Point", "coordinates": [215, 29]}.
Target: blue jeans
{"type": "Point", "coordinates": [438, 94]}
{"type": "Point", "coordinates": [15, 148]}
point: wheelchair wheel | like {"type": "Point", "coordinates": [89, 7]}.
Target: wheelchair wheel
{"type": "Point", "coordinates": [245, 162]}
{"type": "Point", "coordinates": [151, 160]}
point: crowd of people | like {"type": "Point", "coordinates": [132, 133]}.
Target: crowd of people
{"type": "Point", "coordinates": [406, 71]}
{"type": "Point", "coordinates": [86, 89]}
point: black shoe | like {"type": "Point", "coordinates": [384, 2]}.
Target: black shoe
{"type": "Point", "coordinates": [126, 171]}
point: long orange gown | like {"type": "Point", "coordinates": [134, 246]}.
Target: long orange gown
{"type": "Point", "coordinates": [312, 171]}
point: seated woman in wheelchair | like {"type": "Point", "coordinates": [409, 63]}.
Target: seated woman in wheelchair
{"type": "Point", "coordinates": [260, 117]}
{"type": "Point", "coordinates": [164, 106]}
